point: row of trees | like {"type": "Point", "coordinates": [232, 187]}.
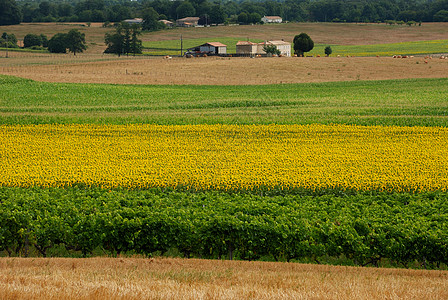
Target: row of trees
{"type": "Point", "coordinates": [12, 12]}
{"type": "Point", "coordinates": [74, 41]}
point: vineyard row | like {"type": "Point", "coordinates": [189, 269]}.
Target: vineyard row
{"type": "Point", "coordinates": [364, 228]}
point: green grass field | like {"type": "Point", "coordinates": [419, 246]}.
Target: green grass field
{"type": "Point", "coordinates": [396, 102]}
{"type": "Point", "coordinates": [406, 48]}
{"type": "Point", "coordinates": [172, 47]}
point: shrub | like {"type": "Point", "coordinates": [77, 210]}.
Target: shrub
{"type": "Point", "coordinates": [31, 40]}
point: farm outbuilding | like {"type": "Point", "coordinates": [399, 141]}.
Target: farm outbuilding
{"type": "Point", "coordinates": [250, 48]}
{"type": "Point", "coordinates": [213, 48]}
{"type": "Point", "coordinates": [246, 48]}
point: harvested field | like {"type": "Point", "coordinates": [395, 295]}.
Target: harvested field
{"type": "Point", "coordinates": [135, 278]}
{"type": "Point", "coordinates": [226, 71]}
{"type": "Point", "coordinates": [322, 33]}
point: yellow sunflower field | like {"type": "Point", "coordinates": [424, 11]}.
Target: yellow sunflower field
{"type": "Point", "coordinates": [225, 157]}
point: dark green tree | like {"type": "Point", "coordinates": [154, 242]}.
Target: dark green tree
{"type": "Point", "coordinates": [8, 40]}
{"type": "Point", "coordinates": [58, 43]}
{"type": "Point", "coordinates": [441, 16]}
{"type": "Point", "coordinates": [204, 20]}
{"type": "Point", "coordinates": [9, 13]}
{"type": "Point", "coordinates": [271, 50]}
{"type": "Point", "coordinates": [31, 40]}
{"type": "Point", "coordinates": [124, 40]}
{"type": "Point", "coordinates": [76, 41]}
{"type": "Point", "coordinates": [151, 20]}
{"type": "Point", "coordinates": [328, 51]}
{"type": "Point", "coordinates": [243, 18]}
{"type": "Point", "coordinates": [186, 9]}
{"type": "Point", "coordinates": [136, 43]}
{"type": "Point", "coordinates": [114, 42]}
{"type": "Point", "coordinates": [44, 40]}
{"type": "Point", "coordinates": [302, 43]}
{"type": "Point", "coordinates": [254, 18]}
{"type": "Point", "coordinates": [217, 15]}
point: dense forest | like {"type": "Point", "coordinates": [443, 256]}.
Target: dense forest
{"type": "Point", "coordinates": [224, 11]}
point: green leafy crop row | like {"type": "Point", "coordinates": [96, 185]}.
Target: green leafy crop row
{"type": "Point", "coordinates": [364, 228]}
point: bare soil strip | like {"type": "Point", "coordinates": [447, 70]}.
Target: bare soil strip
{"type": "Point", "coordinates": [167, 278]}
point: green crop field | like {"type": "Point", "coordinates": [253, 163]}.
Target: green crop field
{"type": "Point", "coordinates": [396, 102]}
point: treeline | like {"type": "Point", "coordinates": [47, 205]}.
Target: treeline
{"type": "Point", "coordinates": [360, 229]}
{"type": "Point", "coordinates": [225, 11]}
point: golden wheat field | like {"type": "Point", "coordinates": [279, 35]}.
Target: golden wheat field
{"type": "Point", "coordinates": [226, 157]}
{"type": "Point", "coordinates": [136, 278]}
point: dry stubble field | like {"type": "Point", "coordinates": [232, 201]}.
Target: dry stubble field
{"type": "Point", "coordinates": [229, 71]}
{"type": "Point", "coordinates": [161, 278]}
{"type": "Point", "coordinates": [93, 67]}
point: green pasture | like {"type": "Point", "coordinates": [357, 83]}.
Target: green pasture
{"type": "Point", "coordinates": [172, 47]}
{"type": "Point", "coordinates": [407, 48]}
{"type": "Point", "coordinates": [395, 102]}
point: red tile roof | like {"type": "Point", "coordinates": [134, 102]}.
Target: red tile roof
{"type": "Point", "coordinates": [217, 44]}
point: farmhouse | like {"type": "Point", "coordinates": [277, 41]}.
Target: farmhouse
{"type": "Point", "coordinates": [272, 19]}
{"type": "Point", "coordinates": [187, 22]}
{"type": "Point", "coordinates": [284, 47]}
{"type": "Point", "coordinates": [134, 21]}
{"type": "Point", "coordinates": [250, 48]}
{"type": "Point", "coordinates": [213, 48]}
{"type": "Point", "coordinates": [167, 23]}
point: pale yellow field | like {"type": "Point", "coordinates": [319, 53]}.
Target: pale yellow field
{"type": "Point", "coordinates": [134, 278]}
{"type": "Point", "coordinates": [226, 156]}
{"type": "Point", "coordinates": [219, 71]}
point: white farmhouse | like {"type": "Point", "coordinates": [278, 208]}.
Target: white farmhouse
{"type": "Point", "coordinates": [272, 19]}
{"type": "Point", "coordinates": [284, 47]}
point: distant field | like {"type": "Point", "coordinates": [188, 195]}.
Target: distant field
{"type": "Point", "coordinates": [396, 102]}
{"type": "Point", "coordinates": [405, 48]}
{"type": "Point", "coordinates": [91, 68]}
{"type": "Point", "coordinates": [322, 33]}
{"type": "Point", "coordinates": [172, 47]}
